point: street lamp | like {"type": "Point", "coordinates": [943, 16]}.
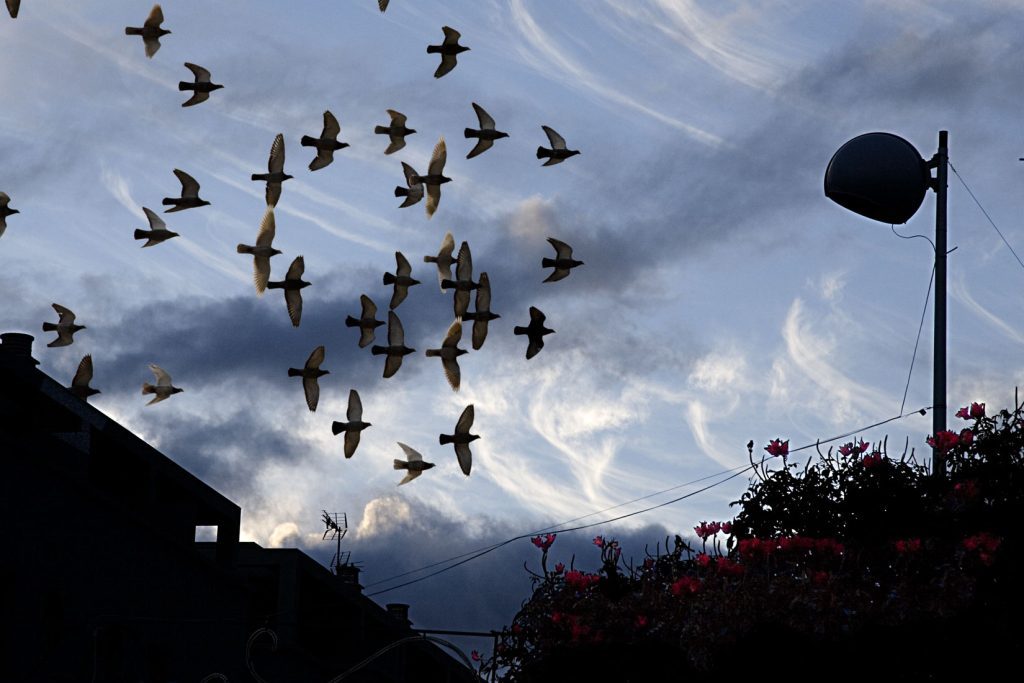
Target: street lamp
{"type": "Point", "coordinates": [881, 176]}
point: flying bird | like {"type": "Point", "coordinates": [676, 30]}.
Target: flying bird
{"type": "Point", "coordinates": [14, 5]}
{"type": "Point", "coordinates": [327, 144]}
{"type": "Point", "coordinates": [291, 285]}
{"type": "Point", "coordinates": [558, 152]}
{"type": "Point", "coordinates": [80, 383]}
{"type": "Point", "coordinates": [396, 347]}
{"type": "Point", "coordinates": [163, 388]}
{"type": "Point", "coordinates": [309, 374]}
{"type": "Point", "coordinates": [367, 321]}
{"type": "Point", "coordinates": [461, 439]}
{"type": "Point", "coordinates": [157, 232]}
{"type": "Point", "coordinates": [487, 133]}
{"type": "Point", "coordinates": [355, 423]}
{"type": "Point", "coordinates": [150, 30]}
{"type": "Point", "coordinates": [562, 263]}
{"type": "Point", "coordinates": [401, 280]}
{"type": "Point", "coordinates": [413, 192]}
{"type": "Point", "coordinates": [275, 175]}
{"type": "Point", "coordinates": [448, 49]}
{"type": "Point", "coordinates": [201, 87]}
{"type": "Point", "coordinates": [262, 251]}
{"type": "Point", "coordinates": [5, 211]}
{"type": "Point", "coordinates": [382, 4]}
{"type": "Point", "coordinates": [435, 176]}
{"type": "Point", "coordinates": [443, 259]}
{"type": "Point", "coordinates": [397, 131]}
{"type": "Point", "coordinates": [463, 283]}
{"type": "Point", "coordinates": [449, 354]}
{"type": "Point", "coordinates": [189, 194]}
{"type": "Point", "coordinates": [415, 465]}
{"type": "Point", "coordinates": [535, 332]}
{"type": "Point", "coordinates": [65, 327]}
{"type": "Point", "coordinates": [482, 315]}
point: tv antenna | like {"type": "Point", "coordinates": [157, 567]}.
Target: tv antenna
{"type": "Point", "coordinates": [337, 527]}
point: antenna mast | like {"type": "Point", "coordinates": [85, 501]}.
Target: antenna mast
{"type": "Point", "coordinates": [337, 527]}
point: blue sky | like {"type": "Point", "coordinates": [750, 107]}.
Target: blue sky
{"type": "Point", "coordinates": [724, 298]}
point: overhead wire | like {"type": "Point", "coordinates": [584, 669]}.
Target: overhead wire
{"type": "Point", "coordinates": [732, 473]}
{"type": "Point", "coordinates": [990, 221]}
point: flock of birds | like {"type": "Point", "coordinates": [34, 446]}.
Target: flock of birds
{"type": "Point", "coordinates": [416, 186]}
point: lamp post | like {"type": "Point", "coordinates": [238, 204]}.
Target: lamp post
{"type": "Point", "coordinates": [883, 177]}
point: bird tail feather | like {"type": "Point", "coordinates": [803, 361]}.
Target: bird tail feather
{"type": "Point", "coordinates": [244, 249]}
{"type": "Point", "coordinates": [379, 350]}
{"type": "Point", "coordinates": [547, 263]}
{"type": "Point", "coordinates": [470, 133]}
{"type": "Point", "coordinates": [130, 31]}
{"type": "Point", "coordinates": [445, 438]}
{"type": "Point", "coordinates": [185, 85]}
{"type": "Point", "coordinates": [381, 130]}
{"type": "Point", "coordinates": [433, 353]}
{"type": "Point", "coordinates": [401, 465]}
{"type": "Point", "coordinates": [308, 141]}
{"type": "Point", "coordinates": [148, 388]}
{"type": "Point", "coordinates": [49, 327]}
{"type": "Point", "coordinates": [389, 279]}
{"type": "Point", "coordinates": [542, 153]}
{"type": "Point", "coordinates": [337, 427]}
{"type": "Point", "coordinates": [292, 372]}
{"type": "Point", "coordinates": [520, 330]}
{"type": "Point", "coordinates": [447, 284]}
{"type": "Point", "coordinates": [141, 234]}
{"type": "Point", "coordinates": [275, 285]}
{"type": "Point", "coordinates": [401, 192]}
{"type": "Point", "coordinates": [351, 322]}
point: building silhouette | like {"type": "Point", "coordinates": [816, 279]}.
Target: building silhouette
{"type": "Point", "coordinates": [101, 577]}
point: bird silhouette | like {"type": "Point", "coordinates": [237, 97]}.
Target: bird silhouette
{"type": "Point", "coordinates": [158, 231]}
{"type": "Point", "coordinates": [562, 263]}
{"type": "Point", "coordinates": [275, 171]}
{"type": "Point", "coordinates": [65, 327]}
{"type": "Point", "coordinates": [291, 285]}
{"type": "Point", "coordinates": [463, 283]}
{"type": "Point", "coordinates": [413, 192]}
{"type": "Point", "coordinates": [401, 280]}
{"type": "Point", "coordinates": [435, 176]}
{"type": "Point", "coordinates": [535, 332]}
{"type": "Point", "coordinates": [163, 388]}
{"type": "Point", "coordinates": [150, 30]}
{"type": "Point", "coordinates": [415, 465]}
{"type": "Point", "coordinates": [396, 130]}
{"type": "Point", "coordinates": [449, 354]}
{"type": "Point", "coordinates": [396, 347]}
{"type": "Point", "coordinates": [309, 374]}
{"type": "Point", "coordinates": [80, 383]}
{"type": "Point", "coordinates": [482, 315]}
{"type": "Point", "coordinates": [355, 423]}
{"type": "Point", "coordinates": [487, 133]}
{"type": "Point", "coordinates": [461, 438]}
{"type": "Point", "coordinates": [444, 259]}
{"type": "Point", "coordinates": [5, 211]}
{"type": "Point", "coordinates": [14, 5]}
{"type": "Point", "coordinates": [189, 194]}
{"type": "Point", "coordinates": [327, 144]}
{"type": "Point", "coordinates": [201, 87]}
{"type": "Point", "coordinates": [367, 321]}
{"type": "Point", "coordinates": [558, 152]}
{"type": "Point", "coordinates": [262, 251]}
{"type": "Point", "coordinates": [448, 49]}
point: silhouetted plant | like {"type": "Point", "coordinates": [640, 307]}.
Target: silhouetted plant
{"type": "Point", "coordinates": [855, 555]}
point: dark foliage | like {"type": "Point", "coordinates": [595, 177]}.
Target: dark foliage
{"type": "Point", "coordinates": [853, 564]}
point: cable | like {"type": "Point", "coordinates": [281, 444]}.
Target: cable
{"type": "Point", "coordinates": [927, 297]}
{"type": "Point", "coordinates": [991, 222]}
{"type": "Point", "coordinates": [472, 555]}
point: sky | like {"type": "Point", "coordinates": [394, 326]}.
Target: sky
{"type": "Point", "coordinates": [723, 298]}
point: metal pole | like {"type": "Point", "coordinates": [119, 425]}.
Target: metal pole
{"type": "Point", "coordinates": [939, 368]}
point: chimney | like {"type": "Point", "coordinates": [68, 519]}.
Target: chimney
{"type": "Point", "coordinates": [16, 350]}
{"type": "Point", "coordinates": [348, 574]}
{"type": "Point", "coordinates": [399, 612]}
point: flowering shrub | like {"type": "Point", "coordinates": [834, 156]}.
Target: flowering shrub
{"type": "Point", "coordinates": [856, 557]}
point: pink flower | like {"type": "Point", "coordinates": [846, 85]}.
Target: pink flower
{"type": "Point", "coordinates": [728, 567]}
{"type": "Point", "coordinates": [640, 621]}
{"type": "Point", "coordinates": [977, 410]}
{"type": "Point", "coordinates": [964, 413]}
{"type": "Point", "coordinates": [543, 543]}
{"type": "Point", "coordinates": [853, 447]}
{"type": "Point", "coordinates": [966, 437]}
{"type": "Point", "coordinates": [559, 568]}
{"type": "Point", "coordinates": [685, 584]}
{"type": "Point", "coordinates": [704, 560]}
{"type": "Point", "coordinates": [872, 460]}
{"type": "Point", "coordinates": [599, 541]}
{"type": "Point", "coordinates": [966, 490]}
{"type": "Point", "coordinates": [944, 441]}
{"type": "Point", "coordinates": [475, 656]}
{"type": "Point", "coordinates": [778, 447]}
{"type": "Point", "coordinates": [707, 529]}
{"type": "Point", "coordinates": [908, 546]}
{"type": "Point", "coordinates": [726, 527]}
